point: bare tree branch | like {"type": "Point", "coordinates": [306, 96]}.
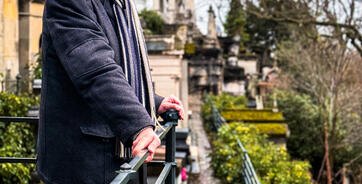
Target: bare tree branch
{"type": "Point", "coordinates": [350, 29]}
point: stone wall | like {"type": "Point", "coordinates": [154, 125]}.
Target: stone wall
{"type": "Point", "coordinates": [9, 63]}
{"type": "Point", "coordinates": [1, 39]}
{"type": "Point", "coordinates": [169, 75]}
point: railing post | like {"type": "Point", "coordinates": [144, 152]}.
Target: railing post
{"type": "Point", "coordinates": [170, 155]}
{"type": "Point", "coordinates": [172, 118]}
{"type": "Point", "coordinates": [142, 174]}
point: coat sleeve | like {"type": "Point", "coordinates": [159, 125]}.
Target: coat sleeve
{"type": "Point", "coordinates": [158, 101]}
{"type": "Point", "coordinates": [85, 53]}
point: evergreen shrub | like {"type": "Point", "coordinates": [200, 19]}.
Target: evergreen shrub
{"type": "Point", "coordinates": [251, 115]}
{"type": "Point", "coordinates": [16, 139]}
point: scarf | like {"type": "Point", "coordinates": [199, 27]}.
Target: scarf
{"type": "Point", "coordinates": [136, 62]}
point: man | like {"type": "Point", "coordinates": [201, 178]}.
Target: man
{"type": "Point", "coordinates": [97, 90]}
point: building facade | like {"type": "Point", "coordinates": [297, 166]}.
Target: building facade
{"type": "Point", "coordinates": [9, 42]}
{"type": "Point", "coordinates": [173, 11]}
{"type": "Point", "coordinates": [166, 51]}
{"type": "Point", "coordinates": [20, 32]}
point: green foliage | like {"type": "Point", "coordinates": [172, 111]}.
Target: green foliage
{"type": "Point", "coordinates": [16, 139]}
{"type": "Point", "coordinates": [221, 102]}
{"type": "Point", "coordinates": [266, 28]}
{"type": "Point", "coordinates": [38, 67]}
{"type": "Point", "coordinates": [154, 22]}
{"type": "Point", "coordinates": [305, 123]}
{"type": "Point", "coordinates": [272, 129]}
{"type": "Point", "coordinates": [303, 118]}
{"type": "Point", "coordinates": [227, 101]}
{"type": "Point", "coordinates": [236, 21]}
{"type": "Point", "coordinates": [271, 162]}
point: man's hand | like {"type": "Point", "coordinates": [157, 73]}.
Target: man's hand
{"type": "Point", "coordinates": [146, 140]}
{"type": "Point", "coordinates": [171, 102]}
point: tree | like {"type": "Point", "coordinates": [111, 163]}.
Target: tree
{"type": "Point", "coordinates": [338, 19]}
{"type": "Point", "coordinates": [328, 71]}
{"type": "Point", "coordinates": [154, 22]}
{"type": "Point", "coordinates": [236, 21]}
{"type": "Point", "coordinates": [265, 34]}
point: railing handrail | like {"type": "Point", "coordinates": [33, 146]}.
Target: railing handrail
{"type": "Point", "coordinates": [131, 167]}
{"type": "Point", "coordinates": [8, 119]}
{"type": "Point", "coordinates": [248, 170]}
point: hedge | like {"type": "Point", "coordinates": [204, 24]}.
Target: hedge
{"type": "Point", "coordinates": [252, 115]}
{"type": "Point", "coordinates": [271, 162]}
{"type": "Point", "coordinates": [16, 139]}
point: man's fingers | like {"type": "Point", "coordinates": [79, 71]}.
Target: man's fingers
{"type": "Point", "coordinates": [135, 142]}
{"type": "Point", "coordinates": [154, 145]}
{"type": "Point", "coordinates": [174, 99]}
{"type": "Point", "coordinates": [172, 106]}
{"type": "Point", "coordinates": [145, 133]}
{"type": "Point", "coordinates": [150, 157]}
{"type": "Point", "coordinates": [176, 107]}
{"type": "Point", "coordinates": [138, 139]}
{"type": "Point", "coordinates": [142, 144]}
{"type": "Point", "coordinates": [152, 149]}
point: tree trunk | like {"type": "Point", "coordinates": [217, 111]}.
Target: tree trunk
{"type": "Point", "coordinates": [328, 166]}
{"type": "Point", "coordinates": [344, 178]}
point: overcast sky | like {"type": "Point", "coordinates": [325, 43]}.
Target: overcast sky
{"type": "Point", "coordinates": [202, 7]}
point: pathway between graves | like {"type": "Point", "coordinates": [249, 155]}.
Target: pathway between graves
{"type": "Point", "coordinates": [201, 143]}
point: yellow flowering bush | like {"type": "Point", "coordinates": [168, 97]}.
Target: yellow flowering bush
{"type": "Point", "coordinates": [271, 162]}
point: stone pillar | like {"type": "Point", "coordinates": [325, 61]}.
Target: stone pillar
{"type": "Point", "coordinates": [211, 27]}
{"type": "Point", "coordinates": [30, 23]}
{"type": "Point", "coordinates": [24, 39]}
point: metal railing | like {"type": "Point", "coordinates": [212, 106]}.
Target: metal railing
{"type": "Point", "coordinates": [129, 170]}
{"type": "Point", "coordinates": [135, 170]}
{"type": "Point", "coordinates": [30, 120]}
{"type": "Point", "coordinates": [249, 174]}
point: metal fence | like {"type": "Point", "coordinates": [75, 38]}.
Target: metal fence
{"type": "Point", "coordinates": [135, 170]}
{"type": "Point", "coordinates": [249, 174]}
{"type": "Point", "coordinates": [129, 170]}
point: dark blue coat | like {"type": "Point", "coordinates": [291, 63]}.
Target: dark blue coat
{"type": "Point", "coordinates": [86, 100]}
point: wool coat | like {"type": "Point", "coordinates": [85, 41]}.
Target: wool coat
{"type": "Point", "coordinates": [87, 103]}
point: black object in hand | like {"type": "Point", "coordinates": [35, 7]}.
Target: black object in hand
{"type": "Point", "coordinates": [170, 116]}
